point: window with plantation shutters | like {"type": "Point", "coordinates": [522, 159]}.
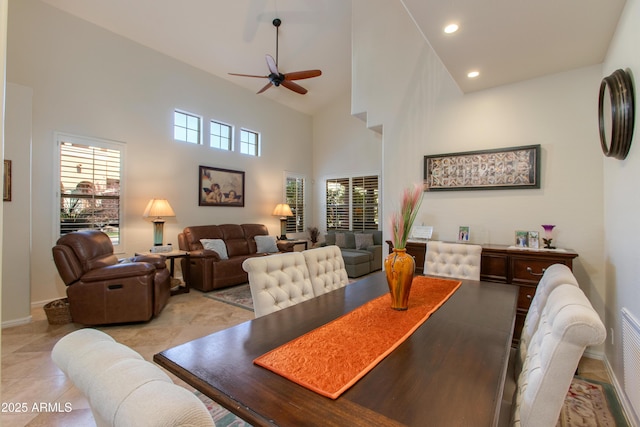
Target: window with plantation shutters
{"type": "Point", "coordinates": [295, 198]}
{"type": "Point", "coordinates": [352, 203]}
{"type": "Point", "coordinates": [90, 182]}
{"type": "Point", "coordinates": [364, 205]}
{"type": "Point", "coordinates": [338, 204]}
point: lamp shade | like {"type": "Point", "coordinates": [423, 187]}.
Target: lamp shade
{"type": "Point", "coordinates": [158, 208]}
{"type": "Point", "coordinates": [282, 209]}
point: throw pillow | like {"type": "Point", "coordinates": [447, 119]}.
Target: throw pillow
{"type": "Point", "coordinates": [364, 240]}
{"type": "Point", "coordinates": [330, 239]}
{"type": "Point", "coordinates": [216, 245]}
{"type": "Point", "coordinates": [341, 240]}
{"type": "Point", "coordinates": [266, 244]}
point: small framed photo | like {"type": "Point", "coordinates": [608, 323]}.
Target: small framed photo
{"type": "Point", "coordinates": [463, 233]}
{"type": "Point", "coordinates": [534, 239]}
{"type": "Point", "coordinates": [522, 239]}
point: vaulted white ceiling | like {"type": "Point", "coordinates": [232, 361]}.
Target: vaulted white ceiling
{"type": "Point", "coordinates": [506, 40]}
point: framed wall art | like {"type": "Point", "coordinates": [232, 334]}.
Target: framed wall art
{"type": "Point", "coordinates": [6, 189]}
{"type": "Point", "coordinates": [220, 187]}
{"type": "Point", "coordinates": [498, 169]}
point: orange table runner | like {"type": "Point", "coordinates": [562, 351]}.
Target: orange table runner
{"type": "Point", "coordinates": [333, 357]}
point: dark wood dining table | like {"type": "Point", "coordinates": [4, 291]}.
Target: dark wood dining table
{"type": "Point", "coordinates": [449, 372]}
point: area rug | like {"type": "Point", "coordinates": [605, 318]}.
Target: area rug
{"type": "Point", "coordinates": [360, 339]}
{"type": "Point", "coordinates": [591, 403]}
{"type": "Point", "coordinates": [239, 295]}
{"type": "Point", "coordinates": [221, 417]}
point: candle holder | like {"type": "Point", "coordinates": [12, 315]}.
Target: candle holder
{"type": "Point", "coordinates": [548, 229]}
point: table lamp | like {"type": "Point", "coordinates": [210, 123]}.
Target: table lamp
{"type": "Point", "coordinates": [158, 209]}
{"type": "Point", "coordinates": [283, 211]}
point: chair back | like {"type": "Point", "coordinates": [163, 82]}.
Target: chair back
{"type": "Point", "coordinates": [79, 252]}
{"type": "Point", "coordinates": [554, 276]}
{"type": "Point", "coordinates": [326, 269]}
{"type": "Point", "coordinates": [277, 281]}
{"type": "Point", "coordinates": [458, 260]}
{"type": "Point", "coordinates": [568, 324]}
{"type": "Point", "coordinates": [121, 387]}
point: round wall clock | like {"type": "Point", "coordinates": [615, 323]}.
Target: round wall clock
{"type": "Point", "coordinates": [616, 114]}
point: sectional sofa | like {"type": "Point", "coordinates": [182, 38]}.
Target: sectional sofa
{"type": "Point", "coordinates": [361, 250]}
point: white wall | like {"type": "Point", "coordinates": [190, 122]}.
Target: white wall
{"type": "Point", "coordinates": [342, 146]}
{"type": "Point", "coordinates": [622, 204]}
{"type": "Point", "coordinates": [422, 112]}
{"type": "Point", "coordinates": [87, 81]}
{"type": "Point", "coordinates": [17, 227]}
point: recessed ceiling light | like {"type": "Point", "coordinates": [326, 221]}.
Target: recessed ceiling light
{"type": "Point", "coordinates": [473, 74]}
{"type": "Point", "coordinates": [451, 28]}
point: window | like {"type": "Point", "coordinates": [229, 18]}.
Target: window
{"type": "Point", "coordinates": [90, 185]}
{"type": "Point", "coordinates": [295, 198]}
{"type": "Point", "coordinates": [249, 142]}
{"type": "Point", "coordinates": [220, 136]}
{"type": "Point", "coordinates": [187, 127]}
{"type": "Point", "coordinates": [352, 203]}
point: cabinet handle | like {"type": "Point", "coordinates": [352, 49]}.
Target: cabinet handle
{"type": "Point", "coordinates": [529, 296]}
{"type": "Point", "coordinates": [535, 274]}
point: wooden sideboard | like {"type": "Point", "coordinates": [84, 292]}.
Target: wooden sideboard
{"type": "Point", "coordinates": [520, 267]}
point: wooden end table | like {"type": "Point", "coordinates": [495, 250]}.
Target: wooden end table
{"type": "Point", "coordinates": [171, 256]}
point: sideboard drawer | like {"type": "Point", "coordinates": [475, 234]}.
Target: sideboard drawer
{"type": "Point", "coordinates": [528, 271]}
{"type": "Point", "coordinates": [525, 296]}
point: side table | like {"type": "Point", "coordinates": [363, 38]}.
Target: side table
{"type": "Point", "coordinates": [295, 242]}
{"type": "Point", "coordinates": [171, 256]}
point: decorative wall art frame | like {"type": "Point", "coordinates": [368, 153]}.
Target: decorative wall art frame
{"type": "Point", "coordinates": [220, 187]}
{"type": "Point", "coordinates": [497, 169]}
{"type": "Point", "coordinates": [6, 189]}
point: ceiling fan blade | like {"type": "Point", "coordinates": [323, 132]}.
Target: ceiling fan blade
{"type": "Point", "coordinates": [248, 75]}
{"type": "Point", "coordinates": [294, 87]}
{"type": "Point", "coordinates": [267, 86]}
{"type": "Point", "coordinates": [299, 75]}
{"type": "Point", "coordinates": [271, 63]}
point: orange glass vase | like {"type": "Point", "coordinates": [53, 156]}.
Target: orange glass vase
{"type": "Point", "coordinates": [399, 267]}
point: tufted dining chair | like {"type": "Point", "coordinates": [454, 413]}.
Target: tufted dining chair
{"type": "Point", "coordinates": [554, 276]}
{"type": "Point", "coordinates": [568, 324]}
{"type": "Point", "coordinates": [278, 281]}
{"type": "Point", "coordinates": [326, 269]}
{"type": "Point", "coordinates": [121, 387]}
{"type": "Point", "coordinates": [457, 260]}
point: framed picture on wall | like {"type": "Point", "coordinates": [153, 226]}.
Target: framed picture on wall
{"type": "Point", "coordinates": [496, 169]}
{"type": "Point", "coordinates": [220, 187]}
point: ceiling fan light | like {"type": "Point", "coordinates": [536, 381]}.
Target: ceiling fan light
{"type": "Point", "coordinates": [451, 28]}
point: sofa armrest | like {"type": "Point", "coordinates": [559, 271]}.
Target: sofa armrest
{"type": "Point", "coordinates": [205, 253]}
{"type": "Point", "coordinates": [119, 271]}
{"type": "Point", "coordinates": [157, 260]}
{"type": "Point", "coordinates": [285, 246]}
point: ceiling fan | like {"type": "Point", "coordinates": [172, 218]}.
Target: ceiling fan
{"type": "Point", "coordinates": [276, 78]}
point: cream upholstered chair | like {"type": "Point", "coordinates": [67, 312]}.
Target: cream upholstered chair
{"type": "Point", "coordinates": [326, 269]}
{"type": "Point", "coordinates": [277, 281]}
{"type": "Point", "coordinates": [122, 388]}
{"type": "Point", "coordinates": [457, 260]}
{"type": "Point", "coordinates": [554, 276]}
{"type": "Point", "coordinates": [568, 324]}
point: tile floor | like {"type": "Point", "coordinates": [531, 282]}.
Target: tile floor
{"type": "Point", "coordinates": [30, 376]}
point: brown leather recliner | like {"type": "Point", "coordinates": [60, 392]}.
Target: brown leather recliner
{"type": "Point", "coordinates": [102, 289]}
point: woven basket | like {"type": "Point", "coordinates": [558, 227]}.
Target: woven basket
{"type": "Point", "coordinates": [58, 312]}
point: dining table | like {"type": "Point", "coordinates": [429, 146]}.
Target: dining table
{"type": "Point", "coordinates": [449, 372]}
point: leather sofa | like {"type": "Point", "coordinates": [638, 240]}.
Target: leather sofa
{"type": "Point", "coordinates": [361, 256]}
{"type": "Point", "coordinates": [208, 269]}
{"type": "Point", "coordinates": [103, 289]}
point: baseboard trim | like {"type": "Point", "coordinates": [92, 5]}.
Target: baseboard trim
{"type": "Point", "coordinates": [17, 322]}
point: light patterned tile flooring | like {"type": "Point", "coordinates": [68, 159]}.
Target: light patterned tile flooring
{"type": "Point", "coordinates": [29, 376]}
